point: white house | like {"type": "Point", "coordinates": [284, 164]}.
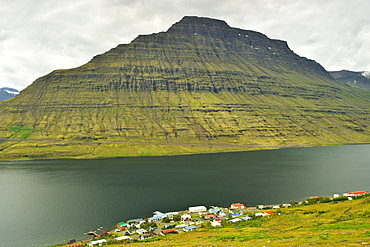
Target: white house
{"type": "Point", "coordinates": [259, 214]}
{"type": "Point", "coordinates": [215, 223]}
{"type": "Point", "coordinates": [141, 231]}
{"type": "Point", "coordinates": [197, 209]}
{"type": "Point", "coordinates": [185, 217]}
{"type": "Point", "coordinates": [235, 220]}
{"type": "Point", "coordinates": [122, 238]}
{"type": "Point", "coordinates": [99, 242]}
{"type": "Point", "coordinates": [181, 226]}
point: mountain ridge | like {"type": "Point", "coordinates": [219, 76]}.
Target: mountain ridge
{"type": "Point", "coordinates": [7, 93]}
{"type": "Point", "coordinates": [201, 81]}
{"type": "Point", "coordinates": [355, 79]}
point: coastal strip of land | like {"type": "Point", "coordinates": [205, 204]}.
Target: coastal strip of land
{"type": "Point", "coordinates": [34, 149]}
{"type": "Point", "coordinates": [338, 220]}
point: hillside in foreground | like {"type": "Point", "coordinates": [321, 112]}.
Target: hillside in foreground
{"type": "Point", "coordinates": [201, 86]}
{"type": "Point", "coordinates": [335, 223]}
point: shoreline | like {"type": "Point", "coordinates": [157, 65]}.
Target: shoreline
{"type": "Point", "coordinates": [229, 148]}
{"type": "Point", "coordinates": [242, 210]}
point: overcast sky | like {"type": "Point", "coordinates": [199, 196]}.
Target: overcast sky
{"type": "Point", "coordinates": [37, 37]}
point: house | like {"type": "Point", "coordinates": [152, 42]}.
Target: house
{"type": "Point", "coordinates": [171, 214]}
{"type": "Point", "coordinates": [275, 207]}
{"type": "Point", "coordinates": [246, 218]}
{"type": "Point", "coordinates": [189, 228]}
{"type": "Point", "coordinates": [167, 225]}
{"type": "Point", "coordinates": [222, 214]}
{"type": "Point", "coordinates": [152, 228]}
{"type": "Point", "coordinates": [269, 213]}
{"type": "Point", "coordinates": [73, 245]}
{"type": "Point", "coordinates": [181, 226]}
{"type": "Point", "coordinates": [123, 238]}
{"type": "Point", "coordinates": [216, 222]}
{"type": "Point", "coordinates": [139, 221]}
{"type": "Point", "coordinates": [235, 215]}
{"type": "Point", "coordinates": [237, 205]}
{"type": "Point", "coordinates": [259, 214]}
{"type": "Point", "coordinates": [185, 217]}
{"type": "Point", "coordinates": [355, 193]}
{"type": "Point", "coordinates": [197, 209]}
{"type": "Point", "coordinates": [235, 220]}
{"type": "Point", "coordinates": [141, 231]}
{"type": "Point", "coordinates": [121, 225]}
{"type": "Point", "coordinates": [215, 209]}
{"type": "Point", "coordinates": [99, 242]}
{"type": "Point", "coordinates": [131, 222]}
{"type": "Point", "coordinates": [155, 218]}
{"type": "Point", "coordinates": [168, 231]}
{"type": "Point", "coordinates": [209, 216]}
{"type": "Point", "coordinates": [148, 235]}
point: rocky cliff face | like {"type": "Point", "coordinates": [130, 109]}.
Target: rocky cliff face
{"type": "Point", "coordinates": [353, 79]}
{"type": "Point", "coordinates": [200, 81]}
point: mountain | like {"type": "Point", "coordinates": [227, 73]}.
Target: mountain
{"type": "Point", "coordinates": [354, 79]}
{"type": "Point", "coordinates": [7, 93]}
{"type": "Point", "coordinates": [201, 86]}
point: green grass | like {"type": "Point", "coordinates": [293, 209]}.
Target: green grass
{"type": "Point", "coordinates": [294, 227]}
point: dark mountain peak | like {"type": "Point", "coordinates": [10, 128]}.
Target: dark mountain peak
{"type": "Point", "coordinates": [198, 25]}
{"type": "Point", "coordinates": [200, 21]}
{"type": "Point", "coordinates": [356, 79]}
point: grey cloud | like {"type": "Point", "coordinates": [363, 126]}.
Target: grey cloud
{"type": "Point", "coordinates": [39, 36]}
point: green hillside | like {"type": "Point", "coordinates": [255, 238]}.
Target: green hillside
{"type": "Point", "coordinates": [202, 84]}
{"type": "Point", "coordinates": [320, 221]}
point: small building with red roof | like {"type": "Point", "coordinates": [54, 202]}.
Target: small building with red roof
{"type": "Point", "coordinates": [168, 231]}
{"type": "Point", "coordinates": [355, 193]}
{"type": "Point", "coordinates": [209, 216]}
{"type": "Point", "coordinates": [237, 205]}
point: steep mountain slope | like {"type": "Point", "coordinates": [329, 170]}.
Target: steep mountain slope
{"type": "Point", "coordinates": [200, 82]}
{"type": "Point", "coordinates": [7, 93]}
{"type": "Point", "coordinates": [354, 79]}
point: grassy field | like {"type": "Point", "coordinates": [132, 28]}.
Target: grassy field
{"type": "Point", "coordinates": [340, 223]}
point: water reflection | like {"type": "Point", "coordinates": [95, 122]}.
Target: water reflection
{"type": "Point", "coordinates": [43, 197]}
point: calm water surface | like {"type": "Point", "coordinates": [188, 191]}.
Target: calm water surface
{"type": "Point", "coordinates": [52, 201]}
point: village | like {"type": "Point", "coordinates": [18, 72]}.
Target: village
{"type": "Point", "coordinates": [180, 222]}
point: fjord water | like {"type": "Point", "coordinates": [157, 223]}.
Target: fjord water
{"type": "Point", "coordinates": [51, 201]}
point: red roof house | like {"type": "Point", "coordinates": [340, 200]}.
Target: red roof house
{"type": "Point", "coordinates": [355, 193]}
{"type": "Point", "coordinates": [208, 216]}
{"type": "Point", "coordinates": [168, 231]}
{"type": "Point", "coordinates": [237, 205]}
